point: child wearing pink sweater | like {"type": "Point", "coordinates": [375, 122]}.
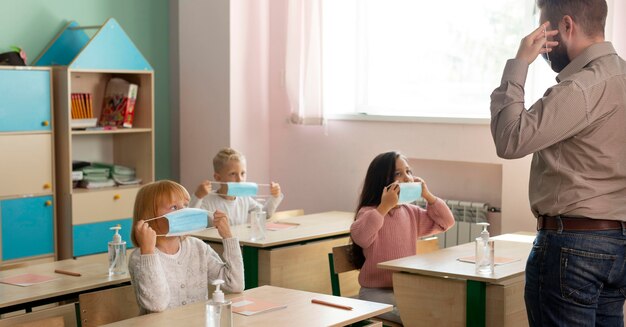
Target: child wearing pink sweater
{"type": "Point", "coordinates": [385, 230]}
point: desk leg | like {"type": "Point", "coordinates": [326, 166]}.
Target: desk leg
{"type": "Point", "coordinates": [251, 266]}
{"type": "Point", "coordinates": [476, 304]}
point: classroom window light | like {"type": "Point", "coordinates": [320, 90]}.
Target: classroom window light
{"type": "Point", "coordinates": [408, 58]}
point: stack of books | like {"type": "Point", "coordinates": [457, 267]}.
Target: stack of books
{"type": "Point", "coordinates": [121, 175]}
{"type": "Point", "coordinates": [96, 177]}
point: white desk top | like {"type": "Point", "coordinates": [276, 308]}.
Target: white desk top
{"type": "Point", "coordinates": [93, 270]}
{"type": "Point", "coordinates": [310, 227]}
{"type": "Point", "coordinates": [444, 263]}
{"type": "Point", "coordinates": [299, 311]}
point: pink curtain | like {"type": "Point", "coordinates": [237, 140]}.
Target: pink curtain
{"type": "Point", "coordinates": [303, 62]}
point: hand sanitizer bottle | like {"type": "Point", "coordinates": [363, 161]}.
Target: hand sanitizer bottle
{"type": "Point", "coordinates": [484, 252]}
{"type": "Point", "coordinates": [117, 253]}
{"type": "Point", "coordinates": [218, 311]}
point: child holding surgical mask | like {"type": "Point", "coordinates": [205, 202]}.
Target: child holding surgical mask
{"type": "Point", "coordinates": [385, 230]}
{"type": "Point", "coordinates": [230, 166]}
{"type": "Point", "coordinates": [171, 271]}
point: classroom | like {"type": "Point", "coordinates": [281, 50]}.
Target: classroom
{"type": "Point", "coordinates": [315, 97]}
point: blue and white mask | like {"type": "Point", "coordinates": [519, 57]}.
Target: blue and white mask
{"type": "Point", "coordinates": [186, 221]}
{"type": "Point", "coordinates": [409, 192]}
{"type": "Point", "coordinates": [242, 189]}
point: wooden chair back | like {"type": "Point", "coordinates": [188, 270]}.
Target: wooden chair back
{"type": "Point", "coordinates": [427, 245]}
{"type": "Point", "coordinates": [46, 322]}
{"type": "Point", "coordinates": [341, 259]}
{"type": "Point", "coordinates": [107, 306]}
{"type": "Point", "coordinates": [280, 215]}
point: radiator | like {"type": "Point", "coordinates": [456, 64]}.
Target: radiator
{"type": "Point", "coordinates": [466, 214]}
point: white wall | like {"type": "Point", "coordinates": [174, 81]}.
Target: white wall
{"type": "Point", "coordinates": [223, 85]}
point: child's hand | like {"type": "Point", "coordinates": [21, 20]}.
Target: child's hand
{"type": "Point", "coordinates": [429, 197]}
{"type": "Point", "coordinates": [220, 221]}
{"type": "Point", "coordinates": [203, 189]}
{"type": "Point", "coordinates": [389, 199]}
{"type": "Point", "coordinates": [146, 237]}
{"type": "Point", "coordinates": [275, 189]}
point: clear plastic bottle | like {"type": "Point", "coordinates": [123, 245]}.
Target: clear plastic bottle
{"type": "Point", "coordinates": [484, 252]}
{"type": "Point", "coordinates": [257, 225]}
{"type": "Point", "coordinates": [117, 253]}
{"type": "Point", "coordinates": [218, 310]}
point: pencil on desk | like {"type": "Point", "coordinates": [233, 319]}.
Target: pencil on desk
{"type": "Point", "coordinates": [65, 272]}
{"type": "Point", "coordinates": [334, 305]}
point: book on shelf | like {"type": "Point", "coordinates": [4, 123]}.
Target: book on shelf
{"type": "Point", "coordinates": [82, 111]}
{"type": "Point", "coordinates": [119, 103]}
{"type": "Point", "coordinates": [249, 306]}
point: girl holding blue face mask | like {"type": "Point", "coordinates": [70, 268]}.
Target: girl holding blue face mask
{"type": "Point", "coordinates": [170, 271]}
{"type": "Point", "coordinates": [386, 227]}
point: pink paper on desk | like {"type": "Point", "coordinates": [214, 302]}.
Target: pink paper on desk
{"type": "Point", "coordinates": [280, 226]}
{"type": "Point", "coordinates": [26, 279]}
{"type": "Point", "coordinates": [249, 306]}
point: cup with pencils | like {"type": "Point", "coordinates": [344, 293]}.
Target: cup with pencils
{"type": "Point", "coordinates": [82, 111]}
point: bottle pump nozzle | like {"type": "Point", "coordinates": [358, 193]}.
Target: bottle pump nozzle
{"type": "Point", "coordinates": [484, 234]}
{"type": "Point", "coordinates": [117, 238]}
{"type": "Point", "coordinates": [218, 295]}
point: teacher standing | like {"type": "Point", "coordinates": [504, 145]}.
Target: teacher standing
{"type": "Point", "coordinates": [576, 271]}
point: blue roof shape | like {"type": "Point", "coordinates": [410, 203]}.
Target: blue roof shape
{"type": "Point", "coordinates": [110, 48]}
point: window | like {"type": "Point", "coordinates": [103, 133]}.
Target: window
{"type": "Point", "coordinates": [426, 59]}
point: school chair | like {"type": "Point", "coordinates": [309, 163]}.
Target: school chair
{"type": "Point", "coordinates": [107, 306]}
{"type": "Point", "coordinates": [47, 315]}
{"type": "Point", "coordinates": [339, 262]}
{"type": "Point", "coordinates": [280, 215]}
{"type": "Point", "coordinates": [426, 245]}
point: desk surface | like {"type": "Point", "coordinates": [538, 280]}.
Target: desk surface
{"type": "Point", "coordinates": [309, 227]}
{"type": "Point", "coordinates": [93, 270]}
{"type": "Point", "coordinates": [299, 311]}
{"type": "Point", "coordinates": [444, 263]}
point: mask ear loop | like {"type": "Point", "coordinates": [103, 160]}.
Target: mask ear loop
{"type": "Point", "coordinates": [545, 44]}
{"type": "Point", "coordinates": [155, 218]}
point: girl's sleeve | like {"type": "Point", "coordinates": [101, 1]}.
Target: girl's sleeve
{"type": "Point", "coordinates": [364, 229]}
{"type": "Point", "coordinates": [436, 218]}
{"type": "Point", "coordinates": [272, 204]}
{"type": "Point", "coordinates": [149, 280]}
{"type": "Point", "coordinates": [231, 269]}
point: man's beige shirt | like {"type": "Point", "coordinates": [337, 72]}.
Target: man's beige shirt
{"type": "Point", "coordinates": [576, 132]}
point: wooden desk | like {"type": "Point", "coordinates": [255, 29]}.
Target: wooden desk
{"type": "Point", "coordinates": [462, 297]}
{"type": "Point", "coordinates": [294, 258]}
{"type": "Point", "coordinates": [94, 276]}
{"type": "Point", "coordinates": [299, 311]}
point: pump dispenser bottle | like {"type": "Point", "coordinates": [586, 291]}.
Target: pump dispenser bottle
{"type": "Point", "coordinates": [218, 311]}
{"type": "Point", "coordinates": [484, 252]}
{"type": "Point", "coordinates": [117, 253]}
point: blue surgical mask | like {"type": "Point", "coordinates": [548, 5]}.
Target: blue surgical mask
{"type": "Point", "coordinates": [242, 189]}
{"type": "Point", "coordinates": [187, 220]}
{"type": "Point", "coordinates": [409, 192]}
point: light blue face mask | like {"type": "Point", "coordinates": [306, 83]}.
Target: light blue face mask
{"type": "Point", "coordinates": [187, 220]}
{"type": "Point", "coordinates": [242, 189]}
{"type": "Point", "coordinates": [409, 192]}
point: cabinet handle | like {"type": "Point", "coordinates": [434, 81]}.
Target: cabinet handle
{"type": "Point", "coordinates": [116, 197]}
{"type": "Point", "coordinates": [46, 186]}
{"type": "Point", "coordinates": [48, 203]}
{"type": "Point", "coordinates": [45, 123]}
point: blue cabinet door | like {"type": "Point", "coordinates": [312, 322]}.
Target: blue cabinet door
{"type": "Point", "coordinates": [95, 237]}
{"type": "Point", "coordinates": [24, 100]}
{"type": "Point", "coordinates": [27, 227]}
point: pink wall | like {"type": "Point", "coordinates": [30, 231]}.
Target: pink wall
{"type": "Point", "coordinates": [324, 172]}
{"type": "Point", "coordinates": [619, 27]}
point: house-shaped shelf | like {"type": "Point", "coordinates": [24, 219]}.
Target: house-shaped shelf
{"type": "Point", "coordinates": [110, 48]}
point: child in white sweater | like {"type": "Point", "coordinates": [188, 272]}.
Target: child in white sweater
{"type": "Point", "coordinates": [168, 272]}
{"type": "Point", "coordinates": [229, 165]}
